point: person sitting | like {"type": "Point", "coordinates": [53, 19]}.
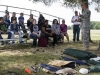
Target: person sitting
{"type": "Point", "coordinates": [63, 28]}
{"type": "Point", "coordinates": [3, 30]}
{"type": "Point", "coordinates": [13, 17]}
{"type": "Point", "coordinates": [41, 21]}
{"type": "Point", "coordinates": [47, 31]}
{"type": "Point", "coordinates": [30, 20]}
{"type": "Point", "coordinates": [56, 29]}
{"type": "Point", "coordinates": [34, 33]}
{"type": "Point", "coordinates": [14, 30]}
{"type": "Point", "coordinates": [6, 18]}
{"type": "Point", "coordinates": [21, 23]}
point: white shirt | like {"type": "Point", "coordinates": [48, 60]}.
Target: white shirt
{"type": "Point", "coordinates": [76, 18]}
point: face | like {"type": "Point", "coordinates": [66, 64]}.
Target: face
{"type": "Point", "coordinates": [14, 14]}
{"type": "Point", "coordinates": [2, 21]}
{"type": "Point", "coordinates": [21, 14]}
{"type": "Point", "coordinates": [31, 16]}
{"type": "Point", "coordinates": [63, 21]}
{"type": "Point", "coordinates": [76, 13]}
{"type": "Point", "coordinates": [46, 23]}
{"type": "Point", "coordinates": [14, 21]}
{"type": "Point", "coordinates": [83, 6]}
{"type": "Point", "coordinates": [7, 13]}
{"type": "Point", "coordinates": [55, 22]}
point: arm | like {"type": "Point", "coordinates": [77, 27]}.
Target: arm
{"type": "Point", "coordinates": [53, 29]}
{"type": "Point", "coordinates": [43, 29]}
{"type": "Point", "coordinates": [86, 14]}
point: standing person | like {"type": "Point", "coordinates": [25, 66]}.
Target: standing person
{"type": "Point", "coordinates": [85, 26]}
{"type": "Point", "coordinates": [3, 30]}
{"type": "Point", "coordinates": [14, 30]}
{"type": "Point", "coordinates": [30, 20]}
{"type": "Point", "coordinates": [56, 29]}
{"type": "Point", "coordinates": [47, 31]}
{"type": "Point", "coordinates": [6, 18]}
{"type": "Point", "coordinates": [35, 34]}
{"type": "Point", "coordinates": [13, 17]}
{"type": "Point", "coordinates": [63, 28]}
{"type": "Point", "coordinates": [76, 26]}
{"type": "Point", "coordinates": [21, 23]}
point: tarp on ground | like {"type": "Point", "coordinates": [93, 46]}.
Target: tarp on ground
{"type": "Point", "coordinates": [82, 55]}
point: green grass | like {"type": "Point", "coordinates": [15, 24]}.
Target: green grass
{"type": "Point", "coordinates": [18, 57]}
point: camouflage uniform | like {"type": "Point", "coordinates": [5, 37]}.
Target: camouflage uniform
{"type": "Point", "coordinates": [85, 26]}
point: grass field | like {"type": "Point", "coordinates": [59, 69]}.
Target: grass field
{"type": "Point", "coordinates": [18, 57]}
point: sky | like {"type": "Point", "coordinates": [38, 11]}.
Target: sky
{"type": "Point", "coordinates": [55, 9]}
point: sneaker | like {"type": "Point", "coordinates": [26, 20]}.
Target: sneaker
{"type": "Point", "coordinates": [55, 44]}
{"type": "Point", "coordinates": [21, 42]}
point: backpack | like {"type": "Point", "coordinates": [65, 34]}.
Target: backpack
{"type": "Point", "coordinates": [42, 42]}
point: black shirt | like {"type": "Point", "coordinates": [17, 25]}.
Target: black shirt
{"type": "Point", "coordinates": [29, 23]}
{"type": "Point", "coordinates": [13, 18]}
{"type": "Point", "coordinates": [47, 28]}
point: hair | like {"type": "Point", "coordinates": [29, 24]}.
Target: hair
{"type": "Point", "coordinates": [63, 20]}
{"type": "Point", "coordinates": [21, 13]}
{"type": "Point", "coordinates": [84, 3]}
{"type": "Point", "coordinates": [1, 18]}
{"type": "Point", "coordinates": [46, 21]}
{"type": "Point", "coordinates": [54, 21]}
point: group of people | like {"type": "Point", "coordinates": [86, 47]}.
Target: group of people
{"type": "Point", "coordinates": [41, 28]}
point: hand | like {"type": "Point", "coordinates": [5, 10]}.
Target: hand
{"type": "Point", "coordinates": [38, 35]}
{"type": "Point", "coordinates": [50, 34]}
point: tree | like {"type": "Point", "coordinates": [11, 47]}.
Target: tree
{"type": "Point", "coordinates": [73, 4]}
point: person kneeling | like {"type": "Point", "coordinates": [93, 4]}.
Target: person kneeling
{"type": "Point", "coordinates": [14, 30]}
{"type": "Point", "coordinates": [35, 34]}
{"type": "Point", "coordinates": [3, 30]}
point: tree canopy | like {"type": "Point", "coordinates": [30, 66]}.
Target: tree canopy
{"type": "Point", "coordinates": [71, 3]}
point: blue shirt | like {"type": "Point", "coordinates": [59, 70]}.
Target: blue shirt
{"type": "Point", "coordinates": [21, 20]}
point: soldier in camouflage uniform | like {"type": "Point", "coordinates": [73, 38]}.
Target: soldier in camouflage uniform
{"type": "Point", "coordinates": [85, 26]}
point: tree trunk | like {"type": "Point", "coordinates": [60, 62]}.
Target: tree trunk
{"type": "Point", "coordinates": [89, 31]}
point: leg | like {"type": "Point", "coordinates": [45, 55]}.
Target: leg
{"type": "Point", "coordinates": [67, 37]}
{"type": "Point", "coordinates": [34, 37]}
{"type": "Point", "coordinates": [54, 39]}
{"type": "Point", "coordinates": [74, 33]}
{"type": "Point", "coordinates": [62, 37]}
{"type": "Point", "coordinates": [9, 35]}
{"type": "Point", "coordinates": [20, 36]}
{"type": "Point", "coordinates": [12, 37]}
{"type": "Point", "coordinates": [78, 32]}
{"type": "Point", "coordinates": [0, 36]}
{"type": "Point", "coordinates": [85, 37]}
{"type": "Point", "coordinates": [23, 28]}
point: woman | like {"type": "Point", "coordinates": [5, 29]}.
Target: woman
{"type": "Point", "coordinates": [13, 17]}
{"type": "Point", "coordinates": [56, 29]}
{"type": "Point", "coordinates": [47, 31]}
{"type": "Point", "coordinates": [63, 28]}
{"type": "Point", "coordinates": [30, 20]}
{"type": "Point", "coordinates": [34, 32]}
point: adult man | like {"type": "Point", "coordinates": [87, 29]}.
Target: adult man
{"type": "Point", "coordinates": [86, 13]}
{"type": "Point", "coordinates": [76, 26]}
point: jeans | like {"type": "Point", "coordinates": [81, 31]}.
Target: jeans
{"type": "Point", "coordinates": [23, 28]}
{"type": "Point", "coordinates": [34, 37]}
{"type": "Point", "coordinates": [9, 35]}
{"type": "Point", "coordinates": [76, 30]}
{"type": "Point", "coordinates": [59, 37]}
{"type": "Point", "coordinates": [20, 36]}
{"type": "Point", "coordinates": [47, 37]}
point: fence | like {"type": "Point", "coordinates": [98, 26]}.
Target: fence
{"type": "Point", "coordinates": [30, 11]}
